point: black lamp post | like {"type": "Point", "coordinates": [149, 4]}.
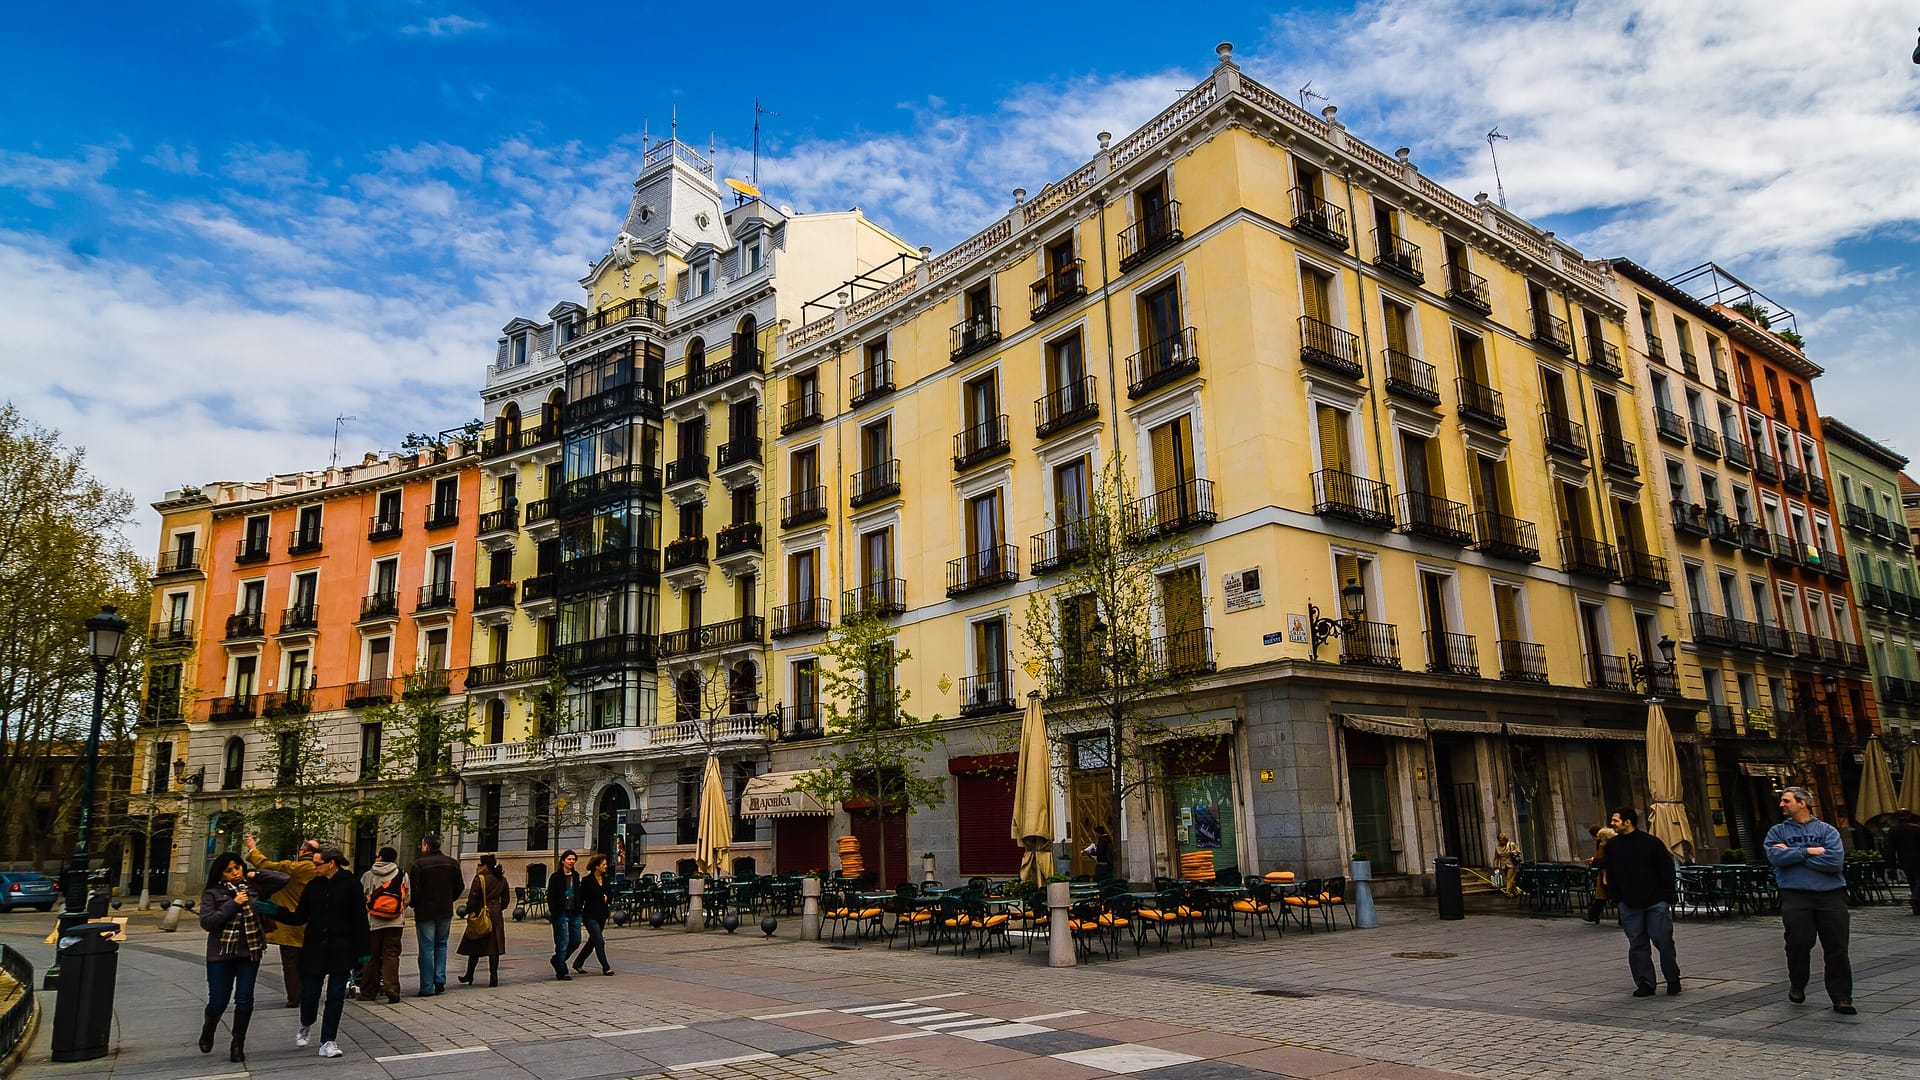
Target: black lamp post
{"type": "Point", "coordinates": [1655, 676]}
{"type": "Point", "coordinates": [104, 632]}
{"type": "Point", "coordinates": [1353, 601]}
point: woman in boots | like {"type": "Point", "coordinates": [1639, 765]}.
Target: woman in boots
{"type": "Point", "coordinates": [235, 941]}
{"type": "Point", "coordinates": [489, 893]}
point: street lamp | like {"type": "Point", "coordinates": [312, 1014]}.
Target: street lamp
{"type": "Point", "coordinates": [104, 632]}
{"type": "Point", "coordinates": [1353, 601]}
{"type": "Point", "coordinates": [1652, 675]}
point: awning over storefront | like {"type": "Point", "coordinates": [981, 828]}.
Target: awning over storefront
{"type": "Point", "coordinates": [1392, 727]}
{"type": "Point", "coordinates": [1765, 771]}
{"type": "Point", "coordinates": [1554, 731]}
{"type": "Point", "coordinates": [1468, 727]}
{"type": "Point", "coordinates": [772, 795]}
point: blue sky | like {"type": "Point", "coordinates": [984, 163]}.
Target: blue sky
{"type": "Point", "coordinates": [223, 224]}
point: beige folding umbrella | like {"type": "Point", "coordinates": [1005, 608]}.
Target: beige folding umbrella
{"type": "Point", "coordinates": [1876, 798]}
{"type": "Point", "coordinates": [716, 823]}
{"type": "Point", "coordinates": [1910, 779]}
{"type": "Point", "coordinates": [1667, 812]}
{"type": "Point", "coordinates": [1033, 796]}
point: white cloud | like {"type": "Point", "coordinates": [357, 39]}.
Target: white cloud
{"type": "Point", "coordinates": [173, 159]}
{"type": "Point", "coordinates": [445, 26]}
{"type": "Point", "coordinates": [38, 177]}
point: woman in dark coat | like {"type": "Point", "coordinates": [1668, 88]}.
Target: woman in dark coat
{"type": "Point", "coordinates": [235, 941]}
{"type": "Point", "coordinates": [489, 892]}
{"type": "Point", "coordinates": [596, 904]}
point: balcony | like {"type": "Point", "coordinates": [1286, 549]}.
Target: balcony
{"type": "Point", "coordinates": [1397, 256]}
{"type": "Point", "coordinates": [1618, 456]}
{"type": "Point", "coordinates": [379, 605]}
{"type": "Point", "coordinates": [1330, 348]}
{"type": "Point", "coordinates": [619, 482]}
{"type": "Point", "coordinates": [1688, 363]}
{"type": "Point", "coordinates": [1723, 530]}
{"type": "Point", "coordinates": [291, 703]}
{"type": "Point", "coordinates": [1689, 519]}
{"type": "Point", "coordinates": [1319, 218]}
{"type": "Point", "coordinates": [1452, 654]}
{"type": "Point", "coordinates": [299, 617]}
{"type": "Point", "coordinates": [880, 598]}
{"type": "Point", "coordinates": [1603, 358]}
{"type": "Point", "coordinates": [1893, 690]}
{"type": "Point", "coordinates": [1792, 476]}
{"type": "Point", "coordinates": [1878, 596]}
{"type": "Point", "coordinates": [170, 634]}
{"type": "Point", "coordinates": [501, 595]}
{"type": "Point", "coordinates": [800, 720]}
{"type": "Point", "coordinates": [609, 651]}
{"type": "Point", "coordinates": [1748, 635]}
{"type": "Point", "coordinates": [738, 538]}
{"type": "Point", "coordinates": [697, 380]}
{"type": "Point", "coordinates": [1059, 547]}
{"type": "Point", "coordinates": [987, 693]}
{"type": "Point", "coordinates": [1803, 645]}
{"type": "Point", "coordinates": [1523, 661]}
{"type": "Point", "coordinates": [1736, 453]}
{"type": "Point", "coordinates": [179, 561]}
{"type": "Point", "coordinates": [1755, 539]}
{"type": "Point", "coordinates": [1833, 565]}
{"type": "Point", "coordinates": [1354, 498]}
{"type": "Point", "coordinates": [686, 469]}
{"type": "Point", "coordinates": [1165, 361]}
{"type": "Point", "coordinates": [803, 507]}
{"type": "Point", "coordinates": [1606, 672]}
{"type": "Point", "coordinates": [732, 634]}
{"type": "Point", "coordinates": [435, 596]}
{"type": "Point", "coordinates": [1764, 466]}
{"type": "Point", "coordinates": [1711, 629]}
{"type": "Point", "coordinates": [246, 624]}
{"type": "Point", "coordinates": [613, 748]}
{"type": "Point", "coordinates": [504, 520]}
{"type": "Point", "coordinates": [983, 569]}
{"type": "Point", "coordinates": [252, 549]}
{"type": "Point", "coordinates": [508, 672]}
{"type": "Point", "coordinates": [1656, 350]}
{"type": "Point", "coordinates": [1817, 488]}
{"type": "Point", "coordinates": [1155, 231]}
{"type": "Point", "coordinates": [1786, 550]}
{"type": "Point", "coordinates": [540, 588]}
{"type": "Point", "coordinates": [652, 311]}
{"type": "Point", "coordinates": [1505, 537]}
{"type": "Point", "coordinates": [1552, 331]}
{"type": "Point", "coordinates": [370, 692]}
{"type": "Point", "coordinates": [1436, 518]}
{"type": "Point", "coordinates": [1673, 426]}
{"type": "Point", "coordinates": [871, 384]}
{"type": "Point", "coordinates": [578, 573]}
{"type": "Point", "coordinates": [971, 335]}
{"type": "Point", "coordinates": [1885, 527]}
{"type": "Point", "coordinates": [1181, 654]}
{"type": "Point", "coordinates": [981, 442]}
{"type": "Point", "coordinates": [238, 707]}
{"type": "Point", "coordinates": [614, 400]}
{"type": "Point", "coordinates": [872, 484]}
{"type": "Point", "coordinates": [1412, 378]}
{"type": "Point", "coordinates": [515, 442]}
{"type": "Point", "coordinates": [1564, 436]}
{"type": "Point", "coordinates": [1057, 289]}
{"type": "Point", "coordinates": [1705, 439]}
{"type": "Point", "coordinates": [802, 617]}
{"type": "Point", "coordinates": [1481, 404]}
{"type": "Point", "coordinates": [738, 451]}
{"type": "Point", "coordinates": [1072, 404]}
{"type": "Point", "coordinates": [1186, 505]}
{"type": "Point", "coordinates": [686, 552]}
{"type": "Point", "coordinates": [443, 513]}
{"type": "Point", "coordinates": [802, 412]}
{"type": "Point", "coordinates": [1854, 656]}
{"type": "Point", "coordinates": [1586, 557]}
{"type": "Point", "coordinates": [1370, 644]}
{"type": "Point", "coordinates": [1468, 289]}
{"type": "Point", "coordinates": [1641, 570]}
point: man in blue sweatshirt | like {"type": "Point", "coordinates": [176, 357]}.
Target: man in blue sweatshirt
{"type": "Point", "coordinates": [1807, 857]}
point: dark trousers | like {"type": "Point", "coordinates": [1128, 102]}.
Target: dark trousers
{"type": "Point", "coordinates": [336, 1000]}
{"type": "Point", "coordinates": [1650, 928]}
{"type": "Point", "coordinates": [566, 938]}
{"type": "Point", "coordinates": [596, 944]}
{"type": "Point", "coordinates": [383, 971]}
{"type": "Point", "coordinates": [290, 972]}
{"type": "Point", "coordinates": [230, 980]}
{"type": "Point", "coordinates": [1808, 914]}
{"type": "Point", "coordinates": [1913, 886]}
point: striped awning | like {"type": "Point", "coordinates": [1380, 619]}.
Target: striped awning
{"type": "Point", "coordinates": [773, 795]}
{"type": "Point", "coordinates": [1469, 727]}
{"type": "Point", "coordinates": [1555, 731]}
{"type": "Point", "coordinates": [1392, 727]}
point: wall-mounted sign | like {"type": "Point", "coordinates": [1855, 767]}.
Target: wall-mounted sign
{"type": "Point", "coordinates": [1297, 630]}
{"type": "Point", "coordinates": [1266, 776]}
{"type": "Point", "coordinates": [1274, 638]}
{"type": "Point", "coordinates": [1242, 589]}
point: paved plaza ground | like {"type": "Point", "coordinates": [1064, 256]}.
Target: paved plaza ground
{"type": "Point", "coordinates": [1498, 995]}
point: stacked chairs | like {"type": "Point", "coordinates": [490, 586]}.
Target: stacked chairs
{"type": "Point", "coordinates": [1197, 865]}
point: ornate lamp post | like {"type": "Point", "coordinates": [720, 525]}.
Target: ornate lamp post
{"type": "Point", "coordinates": [104, 632]}
{"type": "Point", "coordinates": [1655, 676]}
{"type": "Point", "coordinates": [1353, 601]}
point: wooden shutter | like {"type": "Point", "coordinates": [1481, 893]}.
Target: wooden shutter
{"type": "Point", "coordinates": [1397, 328]}
{"type": "Point", "coordinates": [1346, 568]}
{"type": "Point", "coordinates": [1313, 293]}
{"type": "Point", "coordinates": [1506, 611]}
{"type": "Point", "coordinates": [1334, 452]}
{"type": "Point", "coordinates": [1180, 600]}
{"type": "Point", "coordinates": [1169, 454]}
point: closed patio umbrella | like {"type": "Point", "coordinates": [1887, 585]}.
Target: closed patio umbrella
{"type": "Point", "coordinates": [1033, 796]}
{"type": "Point", "coordinates": [1667, 809]}
{"type": "Point", "coordinates": [1910, 779]}
{"type": "Point", "coordinates": [1876, 797]}
{"type": "Point", "coordinates": [716, 823]}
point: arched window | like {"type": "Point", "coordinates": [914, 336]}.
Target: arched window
{"type": "Point", "coordinates": [696, 355]}
{"type": "Point", "coordinates": [507, 424]}
{"type": "Point", "coordinates": [236, 762]}
{"type": "Point", "coordinates": [496, 720]}
{"type": "Point", "coordinates": [686, 696]}
{"type": "Point", "coordinates": [743, 339]}
{"type": "Point", "coordinates": [743, 696]}
{"type": "Point", "coordinates": [550, 416]}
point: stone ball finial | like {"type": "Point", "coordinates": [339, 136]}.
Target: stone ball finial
{"type": "Point", "coordinates": [1106, 137]}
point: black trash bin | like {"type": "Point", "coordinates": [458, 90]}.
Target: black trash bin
{"type": "Point", "coordinates": [83, 1002]}
{"type": "Point", "coordinates": [1446, 887]}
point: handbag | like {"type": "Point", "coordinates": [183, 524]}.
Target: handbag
{"type": "Point", "coordinates": [479, 924]}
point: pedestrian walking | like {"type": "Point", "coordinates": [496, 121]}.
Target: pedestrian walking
{"type": "Point", "coordinates": [1808, 858]}
{"type": "Point", "coordinates": [1506, 859]}
{"type": "Point", "coordinates": [1601, 893]}
{"type": "Point", "coordinates": [486, 933]}
{"type": "Point", "coordinates": [436, 882]}
{"type": "Point", "coordinates": [1640, 874]}
{"type": "Point", "coordinates": [287, 936]}
{"type": "Point", "coordinates": [596, 905]}
{"type": "Point", "coordinates": [334, 912]}
{"type": "Point", "coordinates": [563, 911]}
{"type": "Point", "coordinates": [386, 890]}
{"type": "Point", "coordinates": [235, 942]}
{"type": "Point", "coordinates": [1903, 847]}
{"type": "Point", "coordinates": [1101, 852]}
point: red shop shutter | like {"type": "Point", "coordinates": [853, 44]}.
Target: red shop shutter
{"type": "Point", "coordinates": [986, 824]}
{"type": "Point", "coordinates": [800, 844]}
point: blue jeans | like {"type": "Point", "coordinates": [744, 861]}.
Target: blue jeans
{"type": "Point", "coordinates": [431, 935]}
{"type": "Point", "coordinates": [230, 980]}
{"type": "Point", "coordinates": [566, 938]}
{"type": "Point", "coordinates": [336, 1000]}
{"type": "Point", "coordinates": [1649, 928]}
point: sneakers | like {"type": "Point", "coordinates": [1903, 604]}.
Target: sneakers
{"type": "Point", "coordinates": [303, 1037]}
{"type": "Point", "coordinates": [331, 1050]}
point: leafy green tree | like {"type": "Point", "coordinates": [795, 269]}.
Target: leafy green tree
{"type": "Point", "coordinates": [303, 797]}
{"type": "Point", "coordinates": [417, 790]}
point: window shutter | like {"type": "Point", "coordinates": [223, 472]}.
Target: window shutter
{"type": "Point", "coordinates": [985, 807]}
{"type": "Point", "coordinates": [1166, 462]}
{"type": "Point", "coordinates": [1506, 611]}
{"type": "Point", "coordinates": [1313, 290]}
{"type": "Point", "coordinates": [1180, 600]}
{"type": "Point", "coordinates": [1333, 439]}
{"type": "Point", "coordinates": [1397, 328]}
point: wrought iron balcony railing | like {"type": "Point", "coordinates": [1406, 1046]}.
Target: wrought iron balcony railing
{"type": "Point", "coordinates": [1672, 425]}
{"type": "Point", "coordinates": [1186, 505]}
{"type": "Point", "coordinates": [1618, 455]}
{"type": "Point", "coordinates": [1061, 409]}
{"type": "Point", "coordinates": [1058, 288]}
{"type": "Point", "coordinates": [1168, 360]}
{"type": "Point", "coordinates": [1394, 254]}
{"type": "Point", "coordinates": [1330, 348]}
{"type": "Point", "coordinates": [970, 335]}
{"type": "Point", "coordinates": [1505, 537]}
{"type": "Point", "coordinates": [738, 538]}
{"type": "Point", "coordinates": [1689, 519]}
{"type": "Point", "coordinates": [1603, 358]}
{"type": "Point", "coordinates": [246, 624]}
{"type": "Point", "coordinates": [1181, 654]}
{"type": "Point", "coordinates": [178, 561]}
{"type": "Point", "coordinates": [986, 693]}
{"type": "Point", "coordinates": [1607, 672]}
{"type": "Point", "coordinates": [1155, 231]}
{"type": "Point", "coordinates": [1588, 557]}
{"type": "Point", "coordinates": [871, 383]}
{"type": "Point", "coordinates": [684, 552]}
{"type": "Point", "coordinates": [170, 633]}
{"type": "Point", "coordinates": [380, 605]}
{"type": "Point", "coordinates": [1411, 377]}
{"type": "Point", "coordinates": [1468, 288]}
{"type": "Point", "coordinates": [872, 484]}
{"type": "Point", "coordinates": [435, 596]}
{"type": "Point", "coordinates": [737, 451]}
{"type": "Point", "coordinates": [801, 412]}
{"type": "Point", "coordinates": [1552, 331]}
{"type": "Point", "coordinates": [1564, 436]}
{"type": "Point", "coordinates": [1712, 629]}
{"type": "Point", "coordinates": [1452, 654]}
{"type": "Point", "coordinates": [1436, 518]}
{"type": "Point", "coordinates": [1736, 453]}
{"type": "Point", "coordinates": [1643, 570]}
{"type": "Point", "coordinates": [237, 707]}
{"type": "Point", "coordinates": [1355, 498]}
{"type": "Point", "coordinates": [299, 617]}
{"type": "Point", "coordinates": [687, 468]}
{"type": "Point", "coordinates": [499, 595]}
{"type": "Point", "coordinates": [507, 672]}
{"type": "Point", "coordinates": [1523, 661]}
{"type": "Point", "coordinates": [803, 507]}
{"type": "Point", "coordinates": [802, 617]}
{"type": "Point", "coordinates": [252, 549]}
{"type": "Point", "coordinates": [1481, 404]}
{"type": "Point", "coordinates": [1059, 547]}
{"type": "Point", "coordinates": [442, 513]}
{"type": "Point", "coordinates": [1370, 644]}
{"type": "Point", "coordinates": [988, 567]}
{"type": "Point", "coordinates": [608, 651]}
{"type": "Point", "coordinates": [1319, 218]}
{"type": "Point", "coordinates": [745, 630]}
{"type": "Point", "coordinates": [1705, 439]}
{"type": "Point", "coordinates": [981, 442]}
{"type": "Point", "coordinates": [505, 519]}
{"type": "Point", "coordinates": [882, 597]}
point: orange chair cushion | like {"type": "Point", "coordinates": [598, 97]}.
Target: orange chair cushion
{"type": "Point", "coordinates": [1279, 877]}
{"type": "Point", "coordinates": [870, 913]}
{"type": "Point", "coordinates": [995, 920]}
{"type": "Point", "coordinates": [1112, 920]}
{"type": "Point", "coordinates": [1250, 906]}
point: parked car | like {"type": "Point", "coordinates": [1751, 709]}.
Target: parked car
{"type": "Point", "coordinates": [25, 888]}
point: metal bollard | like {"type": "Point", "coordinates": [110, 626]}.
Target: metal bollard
{"type": "Point", "coordinates": [810, 909]}
{"type": "Point", "coordinates": [170, 919]}
{"type": "Point", "coordinates": [1059, 932]}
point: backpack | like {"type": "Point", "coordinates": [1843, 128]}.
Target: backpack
{"type": "Point", "coordinates": [388, 900]}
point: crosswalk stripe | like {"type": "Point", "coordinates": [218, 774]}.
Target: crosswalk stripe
{"type": "Point", "coordinates": [638, 1031]}
{"type": "Point", "coordinates": [916, 1034]}
{"type": "Point", "coordinates": [784, 1015]}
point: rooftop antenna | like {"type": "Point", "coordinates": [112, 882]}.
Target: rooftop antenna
{"type": "Point", "coordinates": [1308, 93]}
{"type": "Point", "coordinates": [343, 418]}
{"type": "Point", "coordinates": [676, 123]}
{"type": "Point", "coordinates": [758, 112]}
{"type": "Point", "coordinates": [1499, 188]}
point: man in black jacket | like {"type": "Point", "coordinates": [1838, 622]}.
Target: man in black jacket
{"type": "Point", "coordinates": [1640, 876]}
{"type": "Point", "coordinates": [334, 911]}
{"type": "Point", "coordinates": [1903, 846]}
{"type": "Point", "coordinates": [437, 883]}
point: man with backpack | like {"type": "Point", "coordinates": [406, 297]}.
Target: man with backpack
{"type": "Point", "coordinates": [386, 890]}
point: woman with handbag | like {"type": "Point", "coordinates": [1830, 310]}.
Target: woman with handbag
{"type": "Point", "coordinates": [486, 932]}
{"type": "Point", "coordinates": [236, 939]}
